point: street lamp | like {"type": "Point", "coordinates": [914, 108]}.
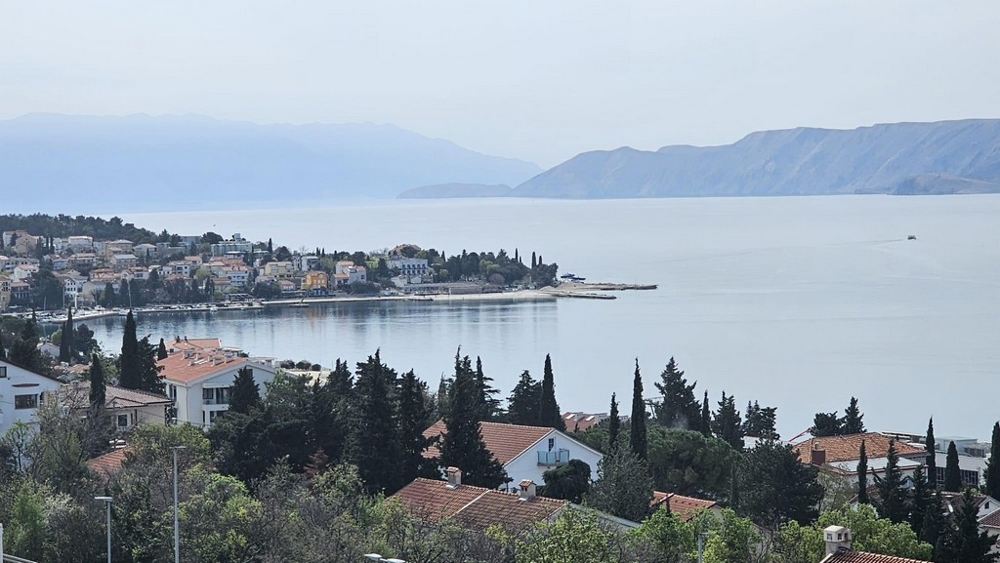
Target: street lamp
{"type": "Point", "coordinates": [107, 502]}
{"type": "Point", "coordinates": [177, 529]}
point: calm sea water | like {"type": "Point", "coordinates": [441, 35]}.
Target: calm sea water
{"type": "Point", "coordinates": [798, 303]}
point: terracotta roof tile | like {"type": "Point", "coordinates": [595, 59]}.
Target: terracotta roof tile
{"type": "Point", "coordinates": [475, 507]}
{"type": "Point", "coordinates": [846, 448]}
{"type": "Point", "coordinates": [991, 520]}
{"type": "Point", "coordinates": [850, 556]}
{"type": "Point", "coordinates": [109, 463]}
{"type": "Point", "coordinates": [505, 441]}
{"type": "Point", "coordinates": [581, 421]}
{"type": "Point", "coordinates": [684, 507]}
{"type": "Point", "coordinates": [77, 393]}
{"type": "Point", "coordinates": [198, 363]}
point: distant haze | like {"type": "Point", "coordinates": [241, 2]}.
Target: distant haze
{"type": "Point", "coordinates": [539, 81]}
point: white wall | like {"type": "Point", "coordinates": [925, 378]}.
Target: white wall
{"type": "Point", "coordinates": [21, 382]}
{"type": "Point", "coordinates": [526, 465]}
{"type": "Point", "coordinates": [190, 405]}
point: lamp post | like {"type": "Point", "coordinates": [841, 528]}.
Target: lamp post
{"type": "Point", "coordinates": [107, 502]}
{"type": "Point", "coordinates": [177, 529]}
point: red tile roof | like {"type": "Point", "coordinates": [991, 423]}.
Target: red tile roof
{"type": "Point", "coordinates": [581, 421]}
{"type": "Point", "coordinates": [199, 362]}
{"type": "Point", "coordinates": [684, 507]}
{"type": "Point", "coordinates": [109, 463]}
{"type": "Point", "coordinates": [475, 507]}
{"type": "Point", "coordinates": [850, 556]}
{"type": "Point", "coordinates": [846, 448]}
{"type": "Point", "coordinates": [504, 441]}
{"type": "Point", "coordinates": [77, 394]}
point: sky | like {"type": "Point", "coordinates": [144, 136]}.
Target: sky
{"type": "Point", "coordinates": [541, 81]}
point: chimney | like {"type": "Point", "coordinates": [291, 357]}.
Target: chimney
{"type": "Point", "coordinates": [818, 455]}
{"type": "Point", "coordinates": [527, 489]}
{"type": "Point", "coordinates": [454, 477]}
{"type": "Point", "coordinates": [837, 538]}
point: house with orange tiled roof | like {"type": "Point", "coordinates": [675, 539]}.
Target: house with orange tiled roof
{"type": "Point", "coordinates": [199, 375]}
{"type": "Point", "coordinates": [22, 392]}
{"type": "Point", "coordinates": [479, 508]}
{"type": "Point", "coordinates": [840, 454]}
{"type": "Point", "coordinates": [107, 465]}
{"type": "Point", "coordinates": [838, 550]}
{"type": "Point", "coordinates": [683, 506]}
{"type": "Point", "coordinates": [526, 452]}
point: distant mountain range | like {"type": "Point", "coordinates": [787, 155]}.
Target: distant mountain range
{"type": "Point", "coordinates": [190, 162]}
{"type": "Point", "coordinates": [902, 158]}
{"type": "Point", "coordinates": [457, 190]}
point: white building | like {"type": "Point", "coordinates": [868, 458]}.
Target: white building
{"type": "Point", "coordinates": [127, 408]}
{"type": "Point", "coordinates": [526, 452]}
{"type": "Point", "coordinates": [408, 267]}
{"type": "Point", "coordinates": [199, 375]}
{"type": "Point", "coordinates": [21, 393]}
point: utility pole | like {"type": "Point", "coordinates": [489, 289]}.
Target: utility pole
{"type": "Point", "coordinates": [107, 502]}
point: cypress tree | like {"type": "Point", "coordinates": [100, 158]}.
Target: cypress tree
{"type": "Point", "coordinates": [534, 262]}
{"type": "Point", "coordinates": [548, 410]}
{"type": "Point", "coordinates": [246, 393]}
{"type": "Point", "coordinates": [462, 445]}
{"type": "Point", "coordinates": [706, 417]}
{"type": "Point", "coordinates": [149, 369]}
{"type": "Point", "coordinates": [614, 424]}
{"type": "Point", "coordinates": [992, 469]}
{"type": "Point", "coordinates": [891, 492]}
{"type": "Point", "coordinates": [161, 351]}
{"type": "Point", "coordinates": [414, 415]}
{"type": "Point", "coordinates": [637, 436]}
{"type": "Point", "coordinates": [66, 340]}
{"type": "Point", "coordinates": [128, 362]}
{"type": "Point", "coordinates": [853, 419]}
{"type": "Point", "coordinates": [931, 448]}
{"type": "Point", "coordinates": [489, 405]}
{"type": "Point", "coordinates": [98, 387]}
{"type": "Point", "coordinates": [3, 352]}
{"type": "Point", "coordinates": [952, 473]}
{"type": "Point", "coordinates": [862, 475]}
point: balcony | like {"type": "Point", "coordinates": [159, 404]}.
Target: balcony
{"type": "Point", "coordinates": [553, 458]}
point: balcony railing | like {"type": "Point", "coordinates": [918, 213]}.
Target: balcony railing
{"type": "Point", "coordinates": [553, 458]}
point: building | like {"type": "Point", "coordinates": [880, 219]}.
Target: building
{"type": "Point", "coordinates": [315, 281]}
{"type": "Point", "coordinates": [279, 269]}
{"type": "Point", "coordinates": [22, 392]}
{"type": "Point", "coordinates": [583, 421]}
{"type": "Point", "coordinates": [838, 550]}
{"type": "Point", "coordinates": [123, 261]}
{"type": "Point", "coordinates": [684, 507]}
{"type": "Point", "coordinates": [4, 292]}
{"type": "Point", "coordinates": [840, 454]}
{"type": "Point", "coordinates": [346, 272]}
{"type": "Point", "coordinates": [526, 452]}
{"type": "Point", "coordinates": [972, 458]}
{"type": "Point", "coordinates": [235, 245]}
{"type": "Point", "coordinates": [80, 242]}
{"type": "Point", "coordinates": [199, 375]}
{"type": "Point", "coordinates": [478, 508]}
{"type": "Point", "coordinates": [408, 267]}
{"type": "Point", "coordinates": [126, 407]}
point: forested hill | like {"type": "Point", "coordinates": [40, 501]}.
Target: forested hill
{"type": "Point", "coordinates": [64, 226]}
{"type": "Point", "coordinates": [140, 163]}
{"type": "Point", "coordinates": [903, 158]}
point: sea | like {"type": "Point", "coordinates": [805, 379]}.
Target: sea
{"type": "Point", "coordinates": [794, 302]}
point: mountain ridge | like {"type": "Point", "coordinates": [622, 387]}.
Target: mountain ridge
{"type": "Point", "coordinates": [800, 161]}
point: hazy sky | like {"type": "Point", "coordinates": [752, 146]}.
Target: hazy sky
{"type": "Point", "coordinates": [539, 80]}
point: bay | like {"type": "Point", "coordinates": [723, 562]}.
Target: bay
{"type": "Point", "coordinates": [796, 302]}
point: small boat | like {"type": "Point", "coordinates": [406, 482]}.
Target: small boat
{"type": "Point", "coordinates": [578, 279]}
{"type": "Point", "coordinates": [213, 309]}
{"type": "Point", "coordinates": [567, 276]}
{"type": "Point", "coordinates": [911, 237]}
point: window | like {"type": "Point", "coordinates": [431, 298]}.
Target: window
{"type": "Point", "coordinates": [208, 396]}
{"type": "Point", "coordinates": [122, 420]}
{"type": "Point", "coordinates": [25, 401]}
{"type": "Point", "coordinates": [552, 443]}
{"type": "Point", "coordinates": [3, 372]}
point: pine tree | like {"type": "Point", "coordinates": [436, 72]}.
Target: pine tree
{"type": "Point", "coordinates": [993, 465]}
{"type": "Point", "coordinates": [966, 542]}
{"type": "Point", "coordinates": [246, 393]}
{"type": "Point", "coordinates": [827, 424]}
{"type": "Point", "coordinates": [952, 473]}
{"type": "Point", "coordinates": [24, 350]}
{"type": "Point", "coordinates": [891, 488]}
{"type": "Point", "coordinates": [760, 421]}
{"type": "Point", "coordinates": [374, 433]}
{"type": "Point", "coordinates": [853, 419]}
{"type": "Point", "coordinates": [548, 410]}
{"type": "Point", "coordinates": [524, 400]}
{"type": "Point", "coordinates": [934, 524]}
{"type": "Point", "coordinates": [489, 405]}
{"type": "Point", "coordinates": [727, 425]}
{"type": "Point", "coordinates": [128, 361]}
{"type": "Point", "coordinates": [678, 408]}
{"type": "Point", "coordinates": [98, 387]}
{"type": "Point", "coordinates": [161, 351]}
{"type": "Point", "coordinates": [930, 446]}
{"type": "Point", "coordinates": [637, 436]}
{"type": "Point", "coordinates": [414, 415]}
{"type": "Point", "coordinates": [614, 425]}
{"type": "Point", "coordinates": [149, 369]}
{"type": "Point", "coordinates": [462, 445]}
{"type": "Point", "coordinates": [862, 474]}
{"type": "Point", "coordinates": [920, 499]}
